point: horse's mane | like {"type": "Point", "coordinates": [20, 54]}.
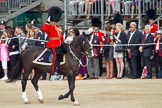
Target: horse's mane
{"type": "Point", "coordinates": [76, 40]}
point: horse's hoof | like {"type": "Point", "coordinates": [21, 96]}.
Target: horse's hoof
{"type": "Point", "coordinates": [76, 103]}
{"type": "Point", "coordinates": [61, 97]}
{"type": "Point", "coordinates": [27, 102]}
{"type": "Point", "coordinates": [41, 101]}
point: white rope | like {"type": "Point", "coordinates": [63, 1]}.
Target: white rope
{"type": "Point", "coordinates": [127, 44]}
{"type": "Point", "coordinates": [25, 38]}
{"type": "Point", "coordinates": [92, 44]}
{"type": "Point", "coordinates": [80, 62]}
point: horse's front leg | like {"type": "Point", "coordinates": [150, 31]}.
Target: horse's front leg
{"type": "Point", "coordinates": [72, 87]}
{"type": "Point", "coordinates": [71, 83]}
{"type": "Point", "coordinates": [61, 97]}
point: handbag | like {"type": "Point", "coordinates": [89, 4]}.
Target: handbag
{"type": "Point", "coordinates": [119, 48]}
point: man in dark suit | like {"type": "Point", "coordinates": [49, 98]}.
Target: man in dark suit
{"type": "Point", "coordinates": [147, 50]}
{"type": "Point", "coordinates": [134, 37]}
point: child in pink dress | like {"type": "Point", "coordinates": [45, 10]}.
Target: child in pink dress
{"type": "Point", "coordinates": [4, 57]}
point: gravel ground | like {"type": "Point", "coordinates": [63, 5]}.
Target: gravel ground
{"type": "Point", "coordinates": [101, 93]}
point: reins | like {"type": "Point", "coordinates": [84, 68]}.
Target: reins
{"type": "Point", "coordinates": [80, 62]}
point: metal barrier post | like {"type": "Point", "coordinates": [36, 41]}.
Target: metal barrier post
{"type": "Point", "coordinates": [139, 14]}
{"type": "Point", "coordinates": [160, 7]}
{"type": "Point", "coordinates": [65, 14]}
{"type": "Point", "coordinates": [8, 3]}
{"type": "Point", "coordinates": [158, 22]}
{"type": "Point", "coordinates": [102, 14]}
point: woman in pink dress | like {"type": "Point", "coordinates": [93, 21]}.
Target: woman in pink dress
{"type": "Point", "coordinates": [4, 57]}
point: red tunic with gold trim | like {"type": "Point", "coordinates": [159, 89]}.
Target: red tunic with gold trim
{"type": "Point", "coordinates": [55, 38]}
{"type": "Point", "coordinates": [154, 28]}
{"type": "Point", "coordinates": [101, 38]}
{"type": "Point", "coordinates": [54, 34]}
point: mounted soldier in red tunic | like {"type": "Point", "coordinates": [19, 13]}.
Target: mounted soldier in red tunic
{"type": "Point", "coordinates": [54, 33]}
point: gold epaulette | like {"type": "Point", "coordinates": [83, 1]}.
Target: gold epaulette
{"type": "Point", "coordinates": [59, 29]}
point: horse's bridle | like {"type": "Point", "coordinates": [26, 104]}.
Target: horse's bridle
{"type": "Point", "coordinates": [86, 53]}
{"type": "Point", "coordinates": [83, 53]}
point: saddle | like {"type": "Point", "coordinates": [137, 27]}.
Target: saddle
{"type": "Point", "coordinates": [46, 57]}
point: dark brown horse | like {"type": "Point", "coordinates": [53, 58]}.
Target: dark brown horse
{"type": "Point", "coordinates": [80, 45]}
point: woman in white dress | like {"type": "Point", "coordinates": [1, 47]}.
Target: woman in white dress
{"type": "Point", "coordinates": [119, 38]}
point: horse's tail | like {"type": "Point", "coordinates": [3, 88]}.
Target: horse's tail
{"type": "Point", "coordinates": [16, 71]}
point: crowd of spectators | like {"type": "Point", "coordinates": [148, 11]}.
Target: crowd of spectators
{"type": "Point", "coordinates": [127, 60]}
{"type": "Point", "coordinates": [140, 53]}
{"type": "Point", "coordinates": [125, 7]}
{"type": "Point", "coordinates": [13, 41]}
{"type": "Point", "coordinates": [137, 56]}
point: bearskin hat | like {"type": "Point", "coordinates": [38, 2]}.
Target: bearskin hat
{"type": "Point", "coordinates": [96, 22]}
{"type": "Point", "coordinates": [117, 18]}
{"type": "Point", "coordinates": [55, 13]}
{"type": "Point", "coordinates": [151, 14]}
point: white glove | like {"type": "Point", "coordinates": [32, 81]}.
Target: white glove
{"type": "Point", "coordinates": [49, 19]}
{"type": "Point", "coordinates": [32, 22]}
{"type": "Point", "coordinates": [101, 50]}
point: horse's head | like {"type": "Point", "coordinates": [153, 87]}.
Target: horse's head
{"type": "Point", "coordinates": [82, 44]}
{"type": "Point", "coordinates": [86, 45]}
